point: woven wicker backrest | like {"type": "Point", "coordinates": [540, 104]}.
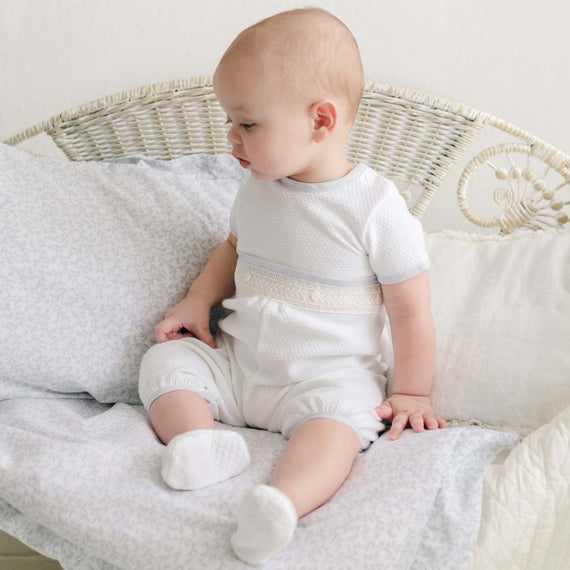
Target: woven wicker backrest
{"type": "Point", "coordinates": [162, 121]}
{"type": "Point", "coordinates": [411, 137]}
{"type": "Point", "coordinates": [406, 135]}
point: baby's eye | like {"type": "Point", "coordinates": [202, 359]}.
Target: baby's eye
{"type": "Point", "coordinates": [244, 126]}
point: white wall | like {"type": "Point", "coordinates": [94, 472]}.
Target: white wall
{"type": "Point", "coordinates": [507, 57]}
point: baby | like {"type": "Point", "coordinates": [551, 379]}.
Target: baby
{"type": "Point", "coordinates": [319, 251]}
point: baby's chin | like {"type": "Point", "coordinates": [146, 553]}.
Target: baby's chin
{"type": "Point", "coordinates": [246, 165]}
{"type": "Point", "coordinates": [262, 175]}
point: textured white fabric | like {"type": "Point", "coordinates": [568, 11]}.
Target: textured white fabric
{"type": "Point", "coordinates": [266, 521]}
{"type": "Point", "coordinates": [81, 481]}
{"type": "Point", "coordinates": [502, 312]}
{"type": "Point", "coordinates": [188, 364]}
{"type": "Point", "coordinates": [303, 341]}
{"type": "Point", "coordinates": [526, 504]}
{"type": "Point", "coordinates": [251, 388]}
{"type": "Point", "coordinates": [203, 457]}
{"type": "Point", "coordinates": [346, 230]}
{"type": "Point", "coordinates": [91, 256]}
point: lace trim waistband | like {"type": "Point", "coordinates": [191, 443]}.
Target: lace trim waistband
{"type": "Point", "coordinates": [360, 299]}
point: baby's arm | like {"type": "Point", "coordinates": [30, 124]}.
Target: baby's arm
{"type": "Point", "coordinates": [214, 284]}
{"type": "Point", "coordinates": [413, 338]}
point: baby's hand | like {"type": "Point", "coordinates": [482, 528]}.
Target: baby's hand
{"type": "Point", "coordinates": [402, 409]}
{"type": "Point", "coordinates": [190, 317]}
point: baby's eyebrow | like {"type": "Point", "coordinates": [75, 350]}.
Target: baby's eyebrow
{"type": "Point", "coordinates": [240, 109]}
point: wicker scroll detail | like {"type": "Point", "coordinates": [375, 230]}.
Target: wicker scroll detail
{"type": "Point", "coordinates": [530, 183]}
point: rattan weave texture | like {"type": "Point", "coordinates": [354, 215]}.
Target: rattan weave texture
{"type": "Point", "coordinates": [410, 136]}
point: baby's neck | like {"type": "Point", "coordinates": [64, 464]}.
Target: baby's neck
{"type": "Point", "coordinates": [327, 171]}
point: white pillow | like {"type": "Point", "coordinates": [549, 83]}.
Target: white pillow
{"type": "Point", "coordinates": [502, 312]}
{"type": "Point", "coordinates": [92, 255]}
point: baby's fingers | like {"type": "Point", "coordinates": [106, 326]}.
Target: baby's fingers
{"type": "Point", "coordinates": [428, 421]}
{"type": "Point", "coordinates": [399, 424]}
{"type": "Point", "coordinates": [165, 330]}
{"type": "Point", "coordinates": [441, 423]}
{"type": "Point", "coordinates": [203, 333]}
{"type": "Point", "coordinates": [417, 422]}
{"type": "Point", "coordinates": [431, 422]}
{"type": "Point", "coordinates": [170, 329]}
{"type": "Point", "coordinates": [385, 411]}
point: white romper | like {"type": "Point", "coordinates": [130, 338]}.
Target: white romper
{"type": "Point", "coordinates": [305, 335]}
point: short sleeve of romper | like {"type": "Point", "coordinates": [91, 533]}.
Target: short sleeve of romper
{"type": "Point", "coordinates": [394, 239]}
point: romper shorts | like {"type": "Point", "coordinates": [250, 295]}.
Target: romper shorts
{"type": "Point", "coordinates": [291, 351]}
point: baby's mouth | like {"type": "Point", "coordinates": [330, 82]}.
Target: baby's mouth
{"type": "Point", "coordinates": [243, 163]}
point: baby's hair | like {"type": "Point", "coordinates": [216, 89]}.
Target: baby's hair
{"type": "Point", "coordinates": [313, 52]}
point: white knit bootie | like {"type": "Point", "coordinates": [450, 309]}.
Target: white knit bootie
{"type": "Point", "coordinates": [199, 458]}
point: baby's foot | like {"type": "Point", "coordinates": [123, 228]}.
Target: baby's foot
{"type": "Point", "coordinates": [199, 458]}
{"type": "Point", "coordinates": [266, 522]}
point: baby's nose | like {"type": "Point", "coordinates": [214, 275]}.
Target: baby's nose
{"type": "Point", "coordinates": [233, 136]}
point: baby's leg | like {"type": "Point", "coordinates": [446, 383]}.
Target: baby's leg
{"type": "Point", "coordinates": [179, 411]}
{"type": "Point", "coordinates": [314, 464]}
{"type": "Point", "coordinates": [197, 455]}
{"type": "Point", "coordinates": [176, 384]}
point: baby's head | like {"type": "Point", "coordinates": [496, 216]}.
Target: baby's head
{"type": "Point", "coordinates": [304, 67]}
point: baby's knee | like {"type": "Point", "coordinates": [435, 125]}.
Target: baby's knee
{"type": "Point", "coordinates": [363, 419]}
{"type": "Point", "coordinates": [167, 358]}
{"type": "Point", "coordinates": [170, 366]}
{"type": "Point", "coordinates": [153, 355]}
{"type": "Point", "coordinates": [157, 361]}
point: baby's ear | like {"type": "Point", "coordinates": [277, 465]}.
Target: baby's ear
{"type": "Point", "coordinates": [324, 115]}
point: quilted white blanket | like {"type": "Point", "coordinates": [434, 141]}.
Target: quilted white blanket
{"type": "Point", "coordinates": [526, 506]}
{"type": "Point", "coordinates": [81, 481]}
